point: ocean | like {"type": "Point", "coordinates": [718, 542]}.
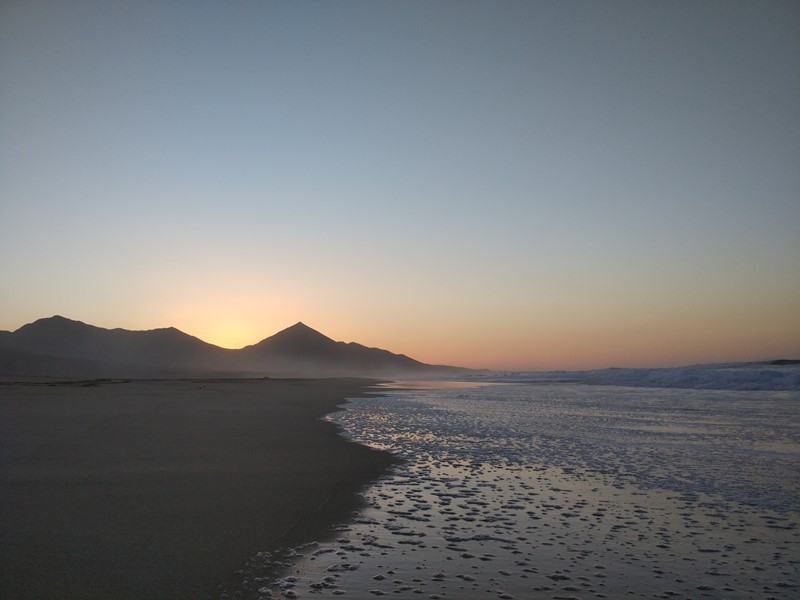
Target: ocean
{"type": "Point", "coordinates": [567, 491]}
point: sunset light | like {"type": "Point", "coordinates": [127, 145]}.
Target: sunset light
{"type": "Point", "coordinates": [395, 180]}
{"type": "Point", "coordinates": [444, 299]}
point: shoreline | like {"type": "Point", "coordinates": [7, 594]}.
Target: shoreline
{"type": "Point", "coordinates": [155, 489]}
{"type": "Point", "coordinates": [524, 492]}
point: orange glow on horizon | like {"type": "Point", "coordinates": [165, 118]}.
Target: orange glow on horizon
{"type": "Point", "coordinates": [574, 346]}
{"type": "Point", "coordinates": [547, 350]}
{"type": "Point", "coordinates": [554, 331]}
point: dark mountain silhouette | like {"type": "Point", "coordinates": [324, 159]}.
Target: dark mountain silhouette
{"type": "Point", "coordinates": [61, 347]}
{"type": "Point", "coordinates": [301, 350]}
{"type": "Point", "coordinates": [161, 348]}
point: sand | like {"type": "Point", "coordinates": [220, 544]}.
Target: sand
{"type": "Point", "coordinates": [163, 489]}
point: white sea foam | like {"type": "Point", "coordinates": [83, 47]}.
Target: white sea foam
{"type": "Point", "coordinates": [571, 491]}
{"type": "Point", "coordinates": [731, 376]}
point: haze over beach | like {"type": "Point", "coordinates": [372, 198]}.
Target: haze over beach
{"type": "Point", "coordinates": [517, 186]}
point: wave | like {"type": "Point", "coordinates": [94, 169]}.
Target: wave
{"type": "Point", "coordinates": [774, 376]}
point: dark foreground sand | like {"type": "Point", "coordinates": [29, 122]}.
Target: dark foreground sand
{"type": "Point", "coordinates": [162, 489]}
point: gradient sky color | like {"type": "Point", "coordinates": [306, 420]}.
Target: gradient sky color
{"type": "Point", "coordinates": [519, 185]}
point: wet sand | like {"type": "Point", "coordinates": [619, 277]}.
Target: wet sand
{"type": "Point", "coordinates": [163, 489]}
{"type": "Point", "coordinates": [566, 493]}
{"type": "Point", "coordinates": [475, 531]}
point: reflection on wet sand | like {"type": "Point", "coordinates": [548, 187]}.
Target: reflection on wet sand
{"type": "Point", "coordinates": [502, 498]}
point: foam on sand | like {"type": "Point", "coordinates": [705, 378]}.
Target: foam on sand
{"type": "Point", "coordinates": [568, 492]}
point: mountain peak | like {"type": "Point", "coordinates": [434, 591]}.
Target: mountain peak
{"type": "Point", "coordinates": [56, 323]}
{"type": "Point", "coordinates": [300, 331]}
{"type": "Point", "coordinates": [301, 328]}
{"type": "Point", "coordinates": [58, 319]}
{"type": "Point", "coordinates": [295, 340]}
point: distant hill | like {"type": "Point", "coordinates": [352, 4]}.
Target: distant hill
{"type": "Point", "coordinates": [61, 347]}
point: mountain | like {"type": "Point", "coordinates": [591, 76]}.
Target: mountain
{"type": "Point", "coordinates": [301, 351]}
{"type": "Point", "coordinates": [168, 347]}
{"type": "Point", "coordinates": [61, 347]}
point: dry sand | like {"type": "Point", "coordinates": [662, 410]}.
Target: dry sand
{"type": "Point", "coordinates": [162, 489]}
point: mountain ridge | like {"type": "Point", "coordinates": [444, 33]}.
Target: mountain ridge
{"type": "Point", "coordinates": [57, 346]}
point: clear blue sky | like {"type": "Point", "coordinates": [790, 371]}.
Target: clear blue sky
{"type": "Point", "coordinates": [500, 184]}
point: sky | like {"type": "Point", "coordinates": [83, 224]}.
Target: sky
{"type": "Point", "coordinates": [498, 184]}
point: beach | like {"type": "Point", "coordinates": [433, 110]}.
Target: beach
{"type": "Point", "coordinates": [164, 489]}
{"type": "Point", "coordinates": [568, 492]}
{"type": "Point", "coordinates": [250, 489]}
